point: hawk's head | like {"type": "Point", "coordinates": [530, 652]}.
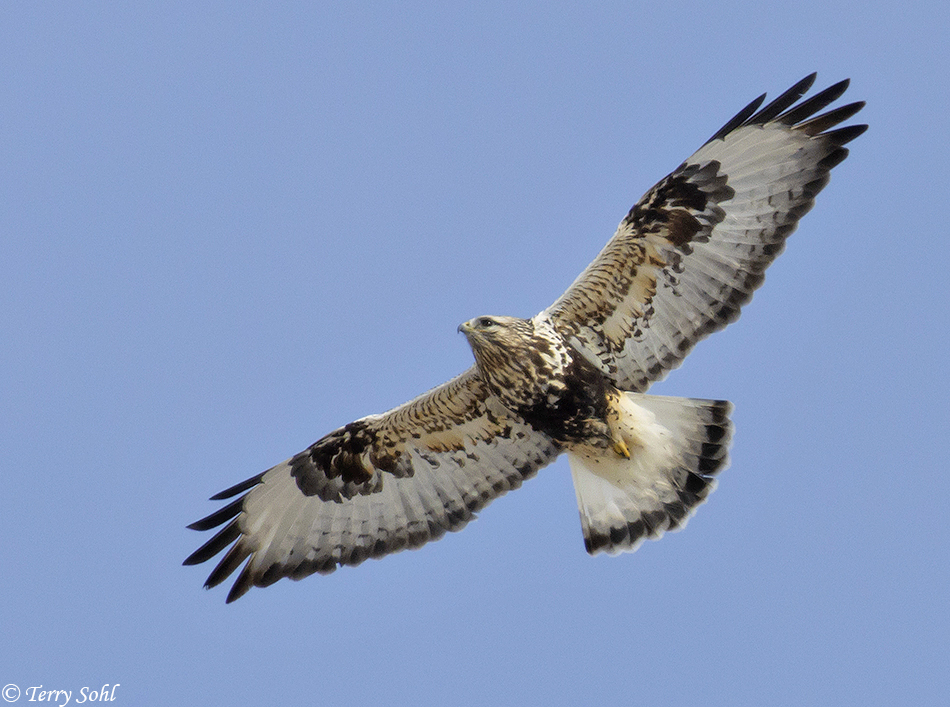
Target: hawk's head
{"type": "Point", "coordinates": [499, 342]}
{"type": "Point", "coordinates": [506, 355]}
{"type": "Point", "coordinates": [514, 355]}
{"type": "Point", "coordinates": [486, 333]}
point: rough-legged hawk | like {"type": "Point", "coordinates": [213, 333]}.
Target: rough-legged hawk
{"type": "Point", "coordinates": [572, 379]}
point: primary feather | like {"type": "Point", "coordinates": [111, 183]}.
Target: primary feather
{"type": "Point", "coordinates": [682, 263]}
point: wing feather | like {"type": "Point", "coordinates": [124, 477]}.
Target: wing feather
{"type": "Point", "coordinates": [377, 486]}
{"type": "Point", "coordinates": [690, 254]}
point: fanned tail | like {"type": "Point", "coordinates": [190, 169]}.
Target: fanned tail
{"type": "Point", "coordinates": [676, 446]}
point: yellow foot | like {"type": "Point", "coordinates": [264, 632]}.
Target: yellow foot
{"type": "Point", "coordinates": [620, 448]}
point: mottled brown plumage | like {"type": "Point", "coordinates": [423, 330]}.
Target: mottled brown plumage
{"type": "Point", "coordinates": [572, 379]}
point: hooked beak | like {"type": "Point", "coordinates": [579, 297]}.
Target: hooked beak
{"type": "Point", "coordinates": [465, 327]}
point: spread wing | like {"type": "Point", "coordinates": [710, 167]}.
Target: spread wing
{"type": "Point", "coordinates": [376, 486]}
{"type": "Point", "coordinates": [691, 252]}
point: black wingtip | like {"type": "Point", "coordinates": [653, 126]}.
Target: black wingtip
{"type": "Point", "coordinates": [221, 540]}
{"type": "Point", "coordinates": [238, 488]}
{"type": "Point", "coordinates": [219, 517]}
{"type": "Point", "coordinates": [748, 115]}
{"type": "Point", "coordinates": [804, 110]}
{"type": "Point", "coordinates": [842, 136]}
{"type": "Point", "coordinates": [783, 102]}
{"type": "Point", "coordinates": [738, 119]}
{"type": "Point", "coordinates": [802, 116]}
{"type": "Point", "coordinates": [242, 585]}
{"type": "Point", "coordinates": [820, 123]}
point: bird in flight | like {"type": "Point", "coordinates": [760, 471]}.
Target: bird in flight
{"type": "Point", "coordinates": [570, 380]}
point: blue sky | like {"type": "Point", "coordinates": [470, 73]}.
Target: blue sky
{"type": "Point", "coordinates": [226, 229]}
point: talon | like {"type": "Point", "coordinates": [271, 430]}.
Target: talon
{"type": "Point", "coordinates": [620, 448]}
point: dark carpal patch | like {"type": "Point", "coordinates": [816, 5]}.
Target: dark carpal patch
{"type": "Point", "coordinates": [334, 468]}
{"type": "Point", "coordinates": [338, 454]}
{"type": "Point", "coordinates": [676, 204]}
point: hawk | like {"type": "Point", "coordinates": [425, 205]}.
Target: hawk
{"type": "Point", "coordinates": [570, 380]}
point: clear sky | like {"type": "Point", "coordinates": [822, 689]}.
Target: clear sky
{"type": "Point", "coordinates": [227, 228]}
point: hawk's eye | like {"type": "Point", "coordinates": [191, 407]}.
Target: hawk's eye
{"type": "Point", "coordinates": [485, 322]}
